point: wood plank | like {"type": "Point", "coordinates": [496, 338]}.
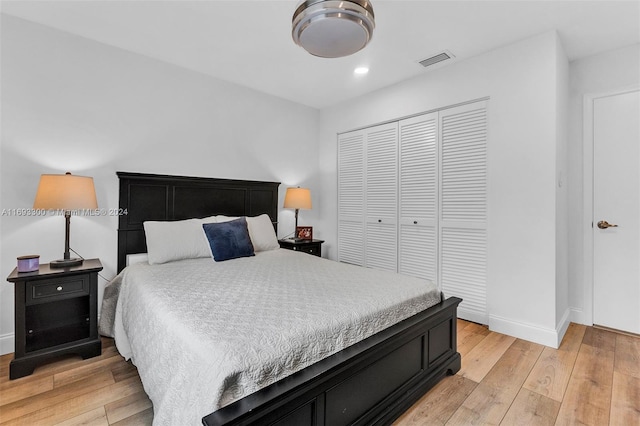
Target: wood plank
{"type": "Point", "coordinates": [127, 407]}
{"type": "Point", "coordinates": [573, 338]}
{"type": "Point", "coordinates": [17, 389]}
{"type": "Point", "coordinates": [627, 359]}
{"type": "Point", "coordinates": [96, 417]}
{"type": "Point", "coordinates": [598, 338]}
{"type": "Point", "coordinates": [468, 339]}
{"type": "Point", "coordinates": [86, 370]}
{"type": "Point", "coordinates": [625, 400]}
{"type": "Point", "coordinates": [4, 367]}
{"type": "Point", "coordinates": [439, 404]}
{"type": "Point", "coordinates": [531, 409]}
{"type": "Point", "coordinates": [478, 328]}
{"type": "Point", "coordinates": [460, 324]}
{"type": "Point", "coordinates": [66, 409]}
{"type": "Point", "coordinates": [55, 397]}
{"type": "Point", "coordinates": [588, 396]}
{"type": "Point", "coordinates": [124, 370]}
{"type": "Point", "coordinates": [550, 376]}
{"type": "Point", "coordinates": [144, 418]}
{"type": "Point", "coordinates": [477, 363]}
{"type": "Point", "coordinates": [491, 399]}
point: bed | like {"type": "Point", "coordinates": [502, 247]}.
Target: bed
{"type": "Point", "coordinates": [367, 376]}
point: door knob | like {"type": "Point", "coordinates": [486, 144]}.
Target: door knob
{"type": "Point", "coordinates": [603, 224]}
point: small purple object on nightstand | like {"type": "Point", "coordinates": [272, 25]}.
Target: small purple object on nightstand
{"type": "Point", "coordinates": [29, 263]}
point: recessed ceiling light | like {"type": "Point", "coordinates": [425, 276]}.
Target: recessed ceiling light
{"type": "Point", "coordinates": [361, 70]}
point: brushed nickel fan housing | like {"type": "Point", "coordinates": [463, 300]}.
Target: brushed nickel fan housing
{"type": "Point", "coordinates": [332, 29]}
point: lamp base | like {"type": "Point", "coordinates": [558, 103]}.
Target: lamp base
{"type": "Point", "coordinates": [65, 263]}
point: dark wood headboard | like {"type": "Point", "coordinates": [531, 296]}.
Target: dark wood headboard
{"type": "Point", "coordinates": [163, 197]}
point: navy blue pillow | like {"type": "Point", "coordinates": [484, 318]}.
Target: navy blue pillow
{"type": "Point", "coordinates": [229, 240]}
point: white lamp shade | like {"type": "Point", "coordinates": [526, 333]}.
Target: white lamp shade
{"type": "Point", "coordinates": [65, 192]}
{"type": "Point", "coordinates": [297, 198]}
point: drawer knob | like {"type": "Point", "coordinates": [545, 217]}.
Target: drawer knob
{"type": "Point", "coordinates": [30, 332]}
{"type": "Point", "coordinates": [59, 288]}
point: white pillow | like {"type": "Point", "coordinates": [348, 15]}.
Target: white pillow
{"type": "Point", "coordinates": [181, 239]}
{"type": "Point", "coordinates": [263, 236]}
{"type": "Point", "coordinates": [132, 259]}
{"type": "Point", "coordinates": [222, 218]}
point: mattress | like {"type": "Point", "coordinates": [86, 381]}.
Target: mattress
{"type": "Point", "coordinates": [204, 334]}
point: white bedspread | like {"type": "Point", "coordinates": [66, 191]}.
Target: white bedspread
{"type": "Point", "coordinates": [204, 334]}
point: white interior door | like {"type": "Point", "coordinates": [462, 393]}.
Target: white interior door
{"type": "Point", "coordinates": [616, 194]}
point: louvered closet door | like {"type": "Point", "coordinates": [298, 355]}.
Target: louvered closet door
{"type": "Point", "coordinates": [351, 197]}
{"type": "Point", "coordinates": [463, 220]}
{"type": "Point", "coordinates": [418, 192]}
{"type": "Point", "coordinates": [381, 197]}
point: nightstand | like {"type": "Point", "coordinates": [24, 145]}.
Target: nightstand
{"type": "Point", "coordinates": [313, 247]}
{"type": "Point", "coordinates": [56, 313]}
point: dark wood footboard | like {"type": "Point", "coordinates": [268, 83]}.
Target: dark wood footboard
{"type": "Point", "coordinates": [370, 383]}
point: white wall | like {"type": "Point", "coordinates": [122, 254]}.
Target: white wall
{"type": "Point", "coordinates": [522, 82]}
{"type": "Point", "coordinates": [72, 104]}
{"type": "Point", "coordinates": [563, 312]}
{"type": "Point", "coordinates": [607, 72]}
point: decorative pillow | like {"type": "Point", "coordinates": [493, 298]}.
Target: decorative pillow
{"type": "Point", "coordinates": [229, 240]}
{"type": "Point", "coordinates": [263, 236]}
{"type": "Point", "coordinates": [180, 239]}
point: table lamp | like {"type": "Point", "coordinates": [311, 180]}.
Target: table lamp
{"type": "Point", "coordinates": [297, 198]}
{"type": "Point", "coordinates": [65, 193]}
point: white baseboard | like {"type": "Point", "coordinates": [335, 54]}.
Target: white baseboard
{"type": "Point", "coordinates": [562, 325]}
{"type": "Point", "coordinates": [7, 343]}
{"type": "Point", "coordinates": [530, 332]}
{"type": "Point", "coordinates": [579, 317]}
{"type": "Point", "coordinates": [472, 316]}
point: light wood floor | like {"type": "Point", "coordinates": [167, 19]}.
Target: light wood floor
{"type": "Point", "coordinates": [592, 379]}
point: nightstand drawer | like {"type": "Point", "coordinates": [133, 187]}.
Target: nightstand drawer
{"type": "Point", "coordinates": [50, 290]}
{"type": "Point", "coordinates": [314, 250]}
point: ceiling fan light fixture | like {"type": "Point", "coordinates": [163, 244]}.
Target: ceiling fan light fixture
{"type": "Point", "coordinates": [332, 29]}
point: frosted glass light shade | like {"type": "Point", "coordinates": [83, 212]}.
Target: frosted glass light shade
{"type": "Point", "coordinates": [332, 29]}
{"type": "Point", "coordinates": [65, 192]}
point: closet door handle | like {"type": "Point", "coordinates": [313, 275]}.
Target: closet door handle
{"type": "Point", "coordinates": [603, 224]}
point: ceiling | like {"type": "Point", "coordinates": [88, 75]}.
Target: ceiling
{"type": "Point", "coordinates": [249, 42]}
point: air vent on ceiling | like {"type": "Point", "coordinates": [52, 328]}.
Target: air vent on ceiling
{"type": "Point", "coordinates": [440, 57]}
